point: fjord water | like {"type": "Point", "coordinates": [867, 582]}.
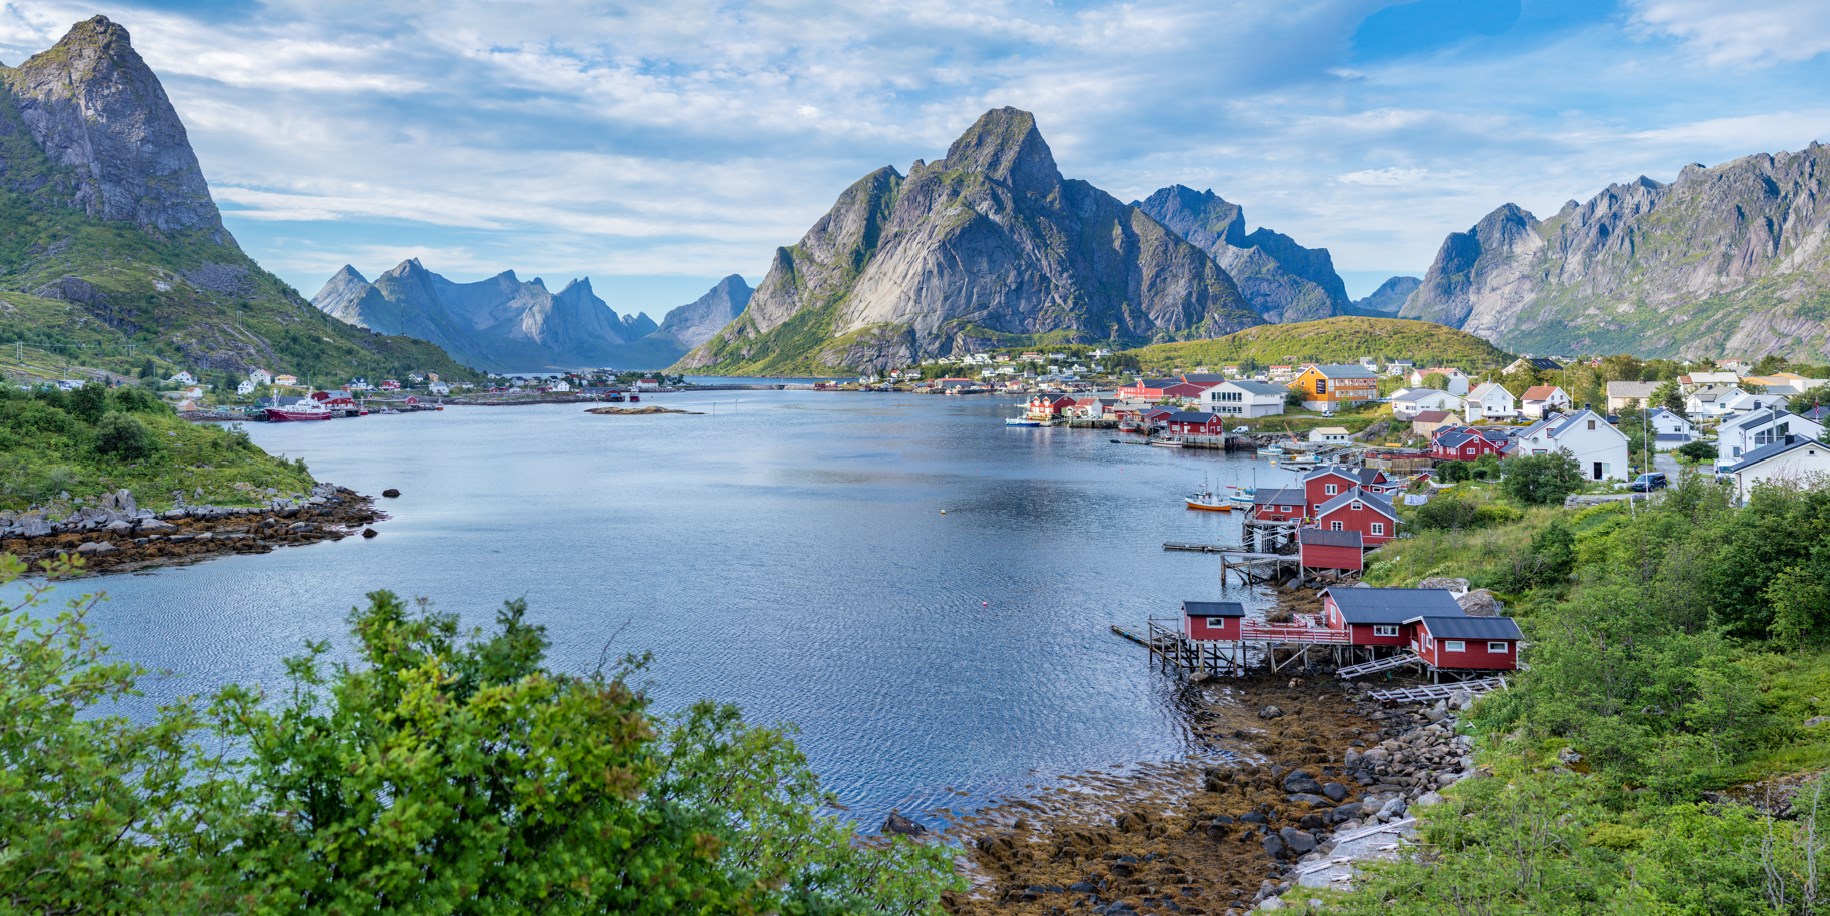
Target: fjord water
{"type": "Point", "coordinates": [786, 551]}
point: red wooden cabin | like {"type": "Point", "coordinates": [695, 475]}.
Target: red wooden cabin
{"type": "Point", "coordinates": [1357, 510]}
{"type": "Point", "coordinates": [1285, 505]}
{"type": "Point", "coordinates": [1466, 643]}
{"type": "Point", "coordinates": [1378, 616]}
{"type": "Point", "coordinates": [1459, 443]}
{"type": "Point", "coordinates": [1324, 484]}
{"type": "Point", "coordinates": [1212, 620]}
{"type": "Point", "coordinates": [1196, 423]}
{"type": "Point", "coordinates": [1320, 549]}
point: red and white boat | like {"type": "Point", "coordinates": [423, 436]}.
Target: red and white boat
{"type": "Point", "coordinates": [305, 409]}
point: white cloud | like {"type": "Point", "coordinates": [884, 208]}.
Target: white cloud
{"type": "Point", "coordinates": [1386, 177]}
{"type": "Point", "coordinates": [1744, 33]}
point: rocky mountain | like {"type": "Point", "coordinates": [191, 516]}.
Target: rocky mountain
{"type": "Point", "coordinates": [696, 322]}
{"type": "Point", "coordinates": [1388, 299]}
{"type": "Point", "coordinates": [1724, 260]}
{"type": "Point", "coordinates": [1281, 280]}
{"type": "Point", "coordinates": [505, 324]}
{"type": "Point", "coordinates": [111, 245]}
{"type": "Point", "coordinates": [988, 246]}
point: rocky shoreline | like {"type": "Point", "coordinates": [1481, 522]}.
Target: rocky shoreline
{"type": "Point", "coordinates": [115, 535]}
{"type": "Point", "coordinates": [1313, 777]}
{"type": "Point", "coordinates": [639, 411]}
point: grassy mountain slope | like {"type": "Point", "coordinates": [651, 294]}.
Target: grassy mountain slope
{"type": "Point", "coordinates": [1330, 340]}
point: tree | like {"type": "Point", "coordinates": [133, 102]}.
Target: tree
{"type": "Point", "coordinates": [1671, 397]}
{"type": "Point", "coordinates": [1697, 451]}
{"type": "Point", "coordinates": [1805, 402]}
{"type": "Point", "coordinates": [89, 402]}
{"type": "Point", "coordinates": [123, 436]}
{"type": "Point", "coordinates": [1541, 480]}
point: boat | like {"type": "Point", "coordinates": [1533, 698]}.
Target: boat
{"type": "Point", "coordinates": [1300, 461]}
{"type": "Point", "coordinates": [1167, 442]}
{"type": "Point", "coordinates": [1243, 497]}
{"type": "Point", "coordinates": [1023, 421]}
{"type": "Point", "coordinates": [305, 409]}
{"type": "Point", "coordinates": [1270, 451]}
{"type": "Point", "coordinates": [1127, 426]}
{"type": "Point", "coordinates": [1208, 501]}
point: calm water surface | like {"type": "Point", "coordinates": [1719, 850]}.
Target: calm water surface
{"type": "Point", "coordinates": [786, 551]}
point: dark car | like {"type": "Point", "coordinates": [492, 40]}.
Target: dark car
{"type": "Point", "coordinates": [1646, 483]}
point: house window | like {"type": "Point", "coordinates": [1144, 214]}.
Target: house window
{"type": "Point", "coordinates": [1334, 526]}
{"type": "Point", "coordinates": [1356, 506]}
{"type": "Point", "coordinates": [1454, 645]}
{"type": "Point", "coordinates": [1499, 647]}
{"type": "Point", "coordinates": [1321, 386]}
{"type": "Point", "coordinates": [1216, 623]}
{"type": "Point", "coordinates": [1331, 489]}
{"type": "Point", "coordinates": [1378, 528]}
{"type": "Point", "coordinates": [1591, 424]}
{"type": "Point", "coordinates": [1385, 629]}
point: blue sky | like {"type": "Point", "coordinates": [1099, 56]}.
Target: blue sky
{"type": "Point", "coordinates": [658, 146]}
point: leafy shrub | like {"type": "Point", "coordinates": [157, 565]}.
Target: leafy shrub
{"type": "Point", "coordinates": [125, 437]}
{"type": "Point", "coordinates": [1541, 480]}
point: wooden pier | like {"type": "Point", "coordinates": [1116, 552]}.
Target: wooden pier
{"type": "Point", "coordinates": [1255, 567]}
{"type": "Point", "coordinates": [1428, 692]}
{"type": "Point", "coordinates": [1275, 646]}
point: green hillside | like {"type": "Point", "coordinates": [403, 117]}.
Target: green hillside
{"type": "Point", "coordinates": [107, 295]}
{"type": "Point", "coordinates": [1329, 340]}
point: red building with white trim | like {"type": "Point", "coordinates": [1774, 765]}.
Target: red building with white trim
{"type": "Point", "coordinates": [1460, 642]}
{"type": "Point", "coordinates": [1212, 620]}
{"type": "Point", "coordinates": [1338, 550]}
{"type": "Point", "coordinates": [1357, 510]}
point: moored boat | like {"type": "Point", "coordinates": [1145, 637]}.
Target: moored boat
{"type": "Point", "coordinates": [1243, 496]}
{"type": "Point", "coordinates": [305, 409]}
{"type": "Point", "coordinates": [1167, 442]}
{"type": "Point", "coordinates": [1271, 451]}
{"type": "Point", "coordinates": [1023, 421]}
{"type": "Point", "coordinates": [1208, 501]}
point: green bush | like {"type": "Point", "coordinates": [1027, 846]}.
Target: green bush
{"type": "Point", "coordinates": [125, 437]}
{"type": "Point", "coordinates": [1541, 480]}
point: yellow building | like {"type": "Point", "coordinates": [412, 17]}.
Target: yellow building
{"type": "Point", "coordinates": [1331, 386]}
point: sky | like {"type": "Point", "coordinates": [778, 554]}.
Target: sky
{"type": "Point", "coordinates": [658, 146]}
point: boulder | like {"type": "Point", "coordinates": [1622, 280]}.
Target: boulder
{"type": "Point", "coordinates": [1455, 585]}
{"type": "Point", "coordinates": [1480, 603]}
{"type": "Point", "coordinates": [1428, 799]}
{"type": "Point", "coordinates": [96, 549]}
{"type": "Point", "coordinates": [1302, 782]}
{"type": "Point", "coordinates": [391, 493]}
{"type": "Point", "coordinates": [156, 526]}
{"type": "Point", "coordinates": [1335, 792]}
{"type": "Point", "coordinates": [1313, 801]}
{"type": "Point", "coordinates": [895, 823]}
{"type": "Point", "coordinates": [1298, 842]}
{"type": "Point", "coordinates": [1270, 712]}
{"type": "Point", "coordinates": [370, 532]}
{"type": "Point", "coordinates": [1569, 757]}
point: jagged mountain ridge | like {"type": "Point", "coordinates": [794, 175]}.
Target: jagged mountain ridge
{"type": "Point", "coordinates": [1280, 279]}
{"type": "Point", "coordinates": [505, 324]}
{"type": "Point", "coordinates": [109, 235]}
{"type": "Point", "coordinates": [1723, 260]}
{"type": "Point", "coordinates": [698, 321]}
{"type": "Point", "coordinates": [1388, 299]}
{"type": "Point", "coordinates": [988, 246]}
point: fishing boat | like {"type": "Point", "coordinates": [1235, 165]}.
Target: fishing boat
{"type": "Point", "coordinates": [1208, 501]}
{"type": "Point", "coordinates": [1243, 497]}
{"type": "Point", "coordinates": [1271, 451]}
{"type": "Point", "coordinates": [1167, 442]}
{"type": "Point", "coordinates": [1023, 421]}
{"type": "Point", "coordinates": [305, 409]}
{"type": "Point", "coordinates": [1299, 461]}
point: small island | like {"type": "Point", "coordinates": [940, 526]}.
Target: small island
{"type": "Point", "coordinates": [635, 411]}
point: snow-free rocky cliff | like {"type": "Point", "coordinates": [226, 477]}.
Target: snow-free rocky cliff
{"type": "Point", "coordinates": [1724, 260]}
{"type": "Point", "coordinates": [988, 246]}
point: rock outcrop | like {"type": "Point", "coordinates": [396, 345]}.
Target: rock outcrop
{"type": "Point", "coordinates": [1281, 280]}
{"type": "Point", "coordinates": [988, 246]}
{"type": "Point", "coordinates": [1730, 259]}
{"type": "Point", "coordinates": [698, 321]}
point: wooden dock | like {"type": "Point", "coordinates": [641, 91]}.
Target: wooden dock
{"type": "Point", "coordinates": [1198, 548]}
{"type": "Point", "coordinates": [1256, 567]}
{"type": "Point", "coordinates": [1428, 692]}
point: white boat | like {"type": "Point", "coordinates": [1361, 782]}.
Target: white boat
{"type": "Point", "coordinates": [1299, 461]}
{"type": "Point", "coordinates": [1167, 442]}
{"type": "Point", "coordinates": [305, 409]}
{"type": "Point", "coordinates": [1270, 451]}
{"type": "Point", "coordinates": [1024, 421]}
{"type": "Point", "coordinates": [1243, 496]}
{"type": "Point", "coordinates": [1207, 500]}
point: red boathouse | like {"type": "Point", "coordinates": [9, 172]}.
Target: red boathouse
{"type": "Point", "coordinates": [1319, 549]}
{"type": "Point", "coordinates": [1466, 643]}
{"type": "Point", "coordinates": [1211, 620]}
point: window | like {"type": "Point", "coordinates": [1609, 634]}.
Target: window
{"type": "Point", "coordinates": [1378, 528]}
{"type": "Point", "coordinates": [1218, 622]}
{"type": "Point", "coordinates": [1591, 424]}
{"type": "Point", "coordinates": [1356, 506]}
{"type": "Point", "coordinates": [1334, 526]}
{"type": "Point", "coordinates": [1500, 647]}
{"type": "Point", "coordinates": [1454, 645]}
{"type": "Point", "coordinates": [1331, 489]}
{"type": "Point", "coordinates": [1385, 629]}
{"type": "Point", "coordinates": [1321, 386]}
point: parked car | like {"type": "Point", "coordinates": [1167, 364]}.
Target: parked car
{"type": "Point", "coordinates": [1646, 483]}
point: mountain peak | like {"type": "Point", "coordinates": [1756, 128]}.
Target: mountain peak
{"type": "Point", "coordinates": [102, 119]}
{"type": "Point", "coordinates": [1005, 145]}
{"type": "Point", "coordinates": [349, 273]}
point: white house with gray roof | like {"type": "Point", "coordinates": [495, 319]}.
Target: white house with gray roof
{"type": "Point", "coordinates": [1244, 398]}
{"type": "Point", "coordinates": [1795, 460]}
{"type": "Point", "coordinates": [1741, 435]}
{"type": "Point", "coordinates": [1599, 449]}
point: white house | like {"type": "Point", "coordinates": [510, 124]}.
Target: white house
{"type": "Point", "coordinates": [1695, 380]}
{"type": "Point", "coordinates": [1750, 403]}
{"type": "Point", "coordinates": [1242, 398]}
{"type": "Point", "coordinates": [1622, 395]}
{"type": "Point", "coordinates": [1490, 401]}
{"type": "Point", "coordinates": [1457, 379]}
{"type": "Point", "coordinates": [1711, 400]}
{"type": "Point", "coordinates": [1399, 367]}
{"type": "Point", "coordinates": [289, 381]}
{"type": "Point", "coordinates": [1799, 460]}
{"type": "Point", "coordinates": [260, 377]}
{"type": "Point", "coordinates": [1599, 449]}
{"type": "Point", "coordinates": [1741, 435]}
{"type": "Point", "coordinates": [441, 389]}
{"type": "Point", "coordinates": [1540, 401]}
{"type": "Point", "coordinates": [246, 387]}
{"type": "Point", "coordinates": [183, 378]}
{"type": "Point", "coordinates": [1410, 402]}
{"type": "Point", "coordinates": [1330, 435]}
{"type": "Point", "coordinates": [1670, 430]}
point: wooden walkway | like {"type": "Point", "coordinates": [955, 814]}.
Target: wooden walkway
{"type": "Point", "coordinates": [1198, 548]}
{"type": "Point", "coordinates": [1428, 692]}
{"type": "Point", "coordinates": [1377, 665]}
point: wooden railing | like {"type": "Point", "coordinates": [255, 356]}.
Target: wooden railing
{"type": "Point", "coordinates": [1292, 632]}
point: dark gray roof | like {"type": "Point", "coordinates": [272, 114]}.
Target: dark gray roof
{"type": "Point", "coordinates": [1373, 501]}
{"type": "Point", "coordinates": [1773, 450]}
{"type": "Point", "coordinates": [1190, 416]}
{"type": "Point", "coordinates": [1213, 609]}
{"type": "Point", "coordinates": [1203, 378]}
{"type": "Point", "coordinates": [1253, 387]}
{"type": "Point", "coordinates": [1284, 497]}
{"type": "Point", "coordinates": [1392, 605]}
{"type": "Point", "coordinates": [1345, 370]}
{"type": "Point", "coordinates": [1321, 538]}
{"type": "Point", "coordinates": [1464, 627]}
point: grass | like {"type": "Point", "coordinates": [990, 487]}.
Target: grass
{"type": "Point", "coordinates": [1329, 340]}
